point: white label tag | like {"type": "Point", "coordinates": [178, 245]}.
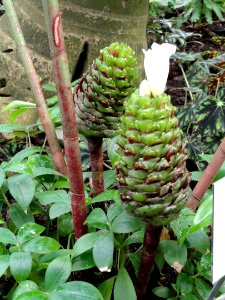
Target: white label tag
{"type": "Point", "coordinates": [218, 267]}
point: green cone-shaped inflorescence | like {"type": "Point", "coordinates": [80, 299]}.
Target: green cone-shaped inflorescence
{"type": "Point", "coordinates": [101, 92]}
{"type": "Point", "coordinates": [152, 174]}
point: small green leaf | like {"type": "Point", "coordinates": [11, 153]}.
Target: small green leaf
{"type": "Point", "coordinates": [184, 283]}
{"type": "Point", "coordinates": [86, 242]}
{"type": "Point", "coordinates": [20, 265]}
{"type": "Point", "coordinates": [34, 295]}
{"type": "Point", "coordinates": [59, 209]}
{"type": "Point", "coordinates": [106, 196]}
{"type": "Point", "coordinates": [16, 104]}
{"type": "Point", "coordinates": [10, 128]}
{"type": "Point", "coordinates": [49, 197]}
{"type": "Point", "coordinates": [4, 263]}
{"type": "Point", "coordinates": [135, 259]}
{"type": "Point", "coordinates": [7, 237]}
{"type": "Point", "coordinates": [2, 177]}
{"type": "Point", "coordinates": [200, 241]}
{"type": "Point", "coordinates": [136, 237]}
{"type": "Point", "coordinates": [162, 292]}
{"type": "Point", "coordinates": [45, 171]}
{"type": "Point", "coordinates": [114, 210]}
{"type": "Point", "coordinates": [106, 288]}
{"type": "Point", "coordinates": [22, 189]}
{"type": "Point", "coordinates": [25, 286]}
{"type": "Point", "coordinates": [103, 252]}
{"type": "Point", "coordinates": [77, 290]}
{"type": "Point", "coordinates": [41, 244]}
{"type": "Point", "coordinates": [83, 261]}
{"type": "Point", "coordinates": [97, 219]}
{"type": "Point", "coordinates": [109, 178]}
{"type": "Point", "coordinates": [174, 254]}
{"type": "Point", "coordinates": [124, 288]}
{"type": "Point", "coordinates": [57, 272]}
{"type": "Point", "coordinates": [28, 231]}
{"type": "Point", "coordinates": [125, 223]}
{"type": "Point", "coordinates": [65, 224]}
{"type": "Point", "coordinates": [19, 217]}
{"type": "Point", "coordinates": [20, 156]}
{"type": "Point", "coordinates": [202, 287]}
{"type": "Point", "coordinates": [112, 150]}
{"type": "Point", "coordinates": [16, 113]}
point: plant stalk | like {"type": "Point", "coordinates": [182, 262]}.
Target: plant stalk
{"type": "Point", "coordinates": [96, 153]}
{"type": "Point", "coordinates": [207, 177]}
{"type": "Point", "coordinates": [42, 108]}
{"type": "Point", "coordinates": [68, 115]}
{"type": "Point", "coordinates": [151, 242]}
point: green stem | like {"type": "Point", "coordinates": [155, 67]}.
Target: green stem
{"type": "Point", "coordinates": [5, 198]}
{"type": "Point", "coordinates": [187, 83]}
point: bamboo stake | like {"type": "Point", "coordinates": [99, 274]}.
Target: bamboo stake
{"type": "Point", "coordinates": [35, 87]}
{"type": "Point", "coordinates": [67, 108]}
{"type": "Point", "coordinates": [150, 246]}
{"type": "Point", "coordinates": [207, 177]}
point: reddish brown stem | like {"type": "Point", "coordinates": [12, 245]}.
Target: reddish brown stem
{"type": "Point", "coordinates": [42, 109]}
{"type": "Point", "coordinates": [207, 177]}
{"type": "Point", "coordinates": [95, 150]}
{"type": "Point", "coordinates": [69, 126]}
{"type": "Point", "coordinates": [151, 242]}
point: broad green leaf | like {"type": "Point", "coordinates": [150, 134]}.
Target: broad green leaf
{"type": "Point", "coordinates": [203, 216]}
{"type": "Point", "coordinates": [199, 240]}
{"type": "Point", "coordinates": [135, 259]}
{"type": "Point", "coordinates": [112, 150]}
{"type": "Point", "coordinates": [97, 219]}
{"type": "Point", "coordinates": [10, 128]}
{"type": "Point", "coordinates": [106, 288]}
{"type": "Point", "coordinates": [86, 242]}
{"type": "Point", "coordinates": [124, 288]}
{"type": "Point", "coordinates": [65, 224]}
{"type": "Point", "coordinates": [204, 266]}
{"type": "Point", "coordinates": [16, 104]}
{"type": "Point", "coordinates": [109, 178]}
{"type": "Point", "coordinates": [125, 223]}
{"type": "Point", "coordinates": [45, 171]}
{"type": "Point", "coordinates": [2, 177]}
{"type": "Point", "coordinates": [19, 217]}
{"type": "Point", "coordinates": [22, 189]}
{"type": "Point", "coordinates": [114, 210]}
{"type": "Point", "coordinates": [20, 265]}
{"type": "Point", "coordinates": [103, 252]}
{"type": "Point", "coordinates": [136, 237]}
{"type": "Point", "coordinates": [159, 258]}
{"type": "Point", "coordinates": [59, 209]}
{"type": "Point", "coordinates": [77, 290]}
{"type": "Point", "coordinates": [28, 231]}
{"type": "Point", "coordinates": [49, 88]}
{"type": "Point", "coordinates": [202, 287]}
{"type": "Point", "coordinates": [83, 261]}
{"type": "Point", "coordinates": [49, 257]}
{"type": "Point", "coordinates": [184, 283]}
{"type": "Point", "coordinates": [106, 196]}
{"type": "Point", "coordinates": [24, 154]}
{"type": "Point", "coordinates": [38, 160]}
{"type": "Point", "coordinates": [33, 294]}
{"type": "Point", "coordinates": [196, 175]}
{"type": "Point", "coordinates": [162, 292]}
{"type": "Point", "coordinates": [188, 297]}
{"type": "Point", "coordinates": [4, 263]}
{"type": "Point", "coordinates": [16, 113]}
{"type": "Point", "coordinates": [57, 272]}
{"type": "Point", "coordinates": [25, 286]}
{"type": "Point", "coordinates": [7, 237]}
{"type": "Point", "coordinates": [41, 244]}
{"type": "Point", "coordinates": [49, 197]}
{"type": "Point", "coordinates": [174, 254]}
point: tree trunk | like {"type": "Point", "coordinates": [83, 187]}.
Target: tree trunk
{"type": "Point", "coordinates": [88, 25]}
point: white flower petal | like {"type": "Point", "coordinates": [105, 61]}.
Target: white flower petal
{"type": "Point", "coordinates": [144, 89]}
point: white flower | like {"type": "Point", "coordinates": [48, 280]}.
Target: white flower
{"type": "Point", "coordinates": [156, 64]}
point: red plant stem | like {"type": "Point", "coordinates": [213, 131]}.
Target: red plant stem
{"type": "Point", "coordinates": [207, 177]}
{"type": "Point", "coordinates": [95, 150]}
{"type": "Point", "coordinates": [66, 103]}
{"type": "Point", "coordinates": [151, 242]}
{"type": "Point", "coordinates": [42, 108]}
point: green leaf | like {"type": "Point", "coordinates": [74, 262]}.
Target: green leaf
{"type": "Point", "coordinates": [65, 224]}
{"type": "Point", "coordinates": [174, 254]}
{"type": "Point", "coordinates": [7, 237]}
{"type": "Point", "coordinates": [97, 219]}
{"type": "Point", "coordinates": [49, 88]}
{"type": "Point", "coordinates": [196, 175]}
{"type": "Point", "coordinates": [45, 171]}
{"type": "Point", "coordinates": [184, 283]}
{"type": "Point", "coordinates": [114, 210]}
{"type": "Point", "coordinates": [20, 265]}
{"type": "Point", "coordinates": [204, 266]}
{"type": "Point", "coordinates": [162, 292]}
{"type": "Point", "coordinates": [103, 252]}
{"type": "Point", "coordinates": [109, 178]}
{"type": "Point", "coordinates": [34, 295]}
{"type": "Point", "coordinates": [4, 263]}
{"type": "Point", "coordinates": [112, 148]}
{"type": "Point", "coordinates": [57, 272]}
{"type": "Point", "coordinates": [22, 189]}
{"type": "Point", "coordinates": [136, 237]}
{"type": "Point", "coordinates": [106, 196]}
{"type": "Point", "coordinates": [124, 288]}
{"type": "Point", "coordinates": [83, 261]}
{"type": "Point", "coordinates": [202, 287]}
{"type": "Point", "coordinates": [20, 156]}
{"type": "Point", "coordinates": [28, 231]}
{"type": "Point", "coordinates": [135, 259]}
{"type": "Point", "coordinates": [18, 104]}
{"type": "Point", "coordinates": [199, 240]}
{"type": "Point", "coordinates": [78, 290]}
{"type": "Point", "coordinates": [10, 128]}
{"type": "Point", "coordinates": [41, 244]}
{"type": "Point", "coordinates": [19, 217]}
{"type": "Point", "coordinates": [25, 286]}
{"type": "Point", "coordinates": [2, 177]}
{"type": "Point", "coordinates": [16, 113]}
{"type": "Point", "coordinates": [86, 242]}
{"type": "Point", "coordinates": [203, 216]}
{"type": "Point", "coordinates": [49, 197]}
{"type": "Point", "coordinates": [125, 223]}
{"type": "Point", "coordinates": [49, 257]}
{"type": "Point", "coordinates": [106, 288]}
{"type": "Point", "coordinates": [59, 209]}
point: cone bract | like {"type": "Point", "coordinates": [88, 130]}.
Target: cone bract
{"type": "Point", "coordinates": [101, 92]}
{"type": "Point", "coordinates": [152, 175]}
